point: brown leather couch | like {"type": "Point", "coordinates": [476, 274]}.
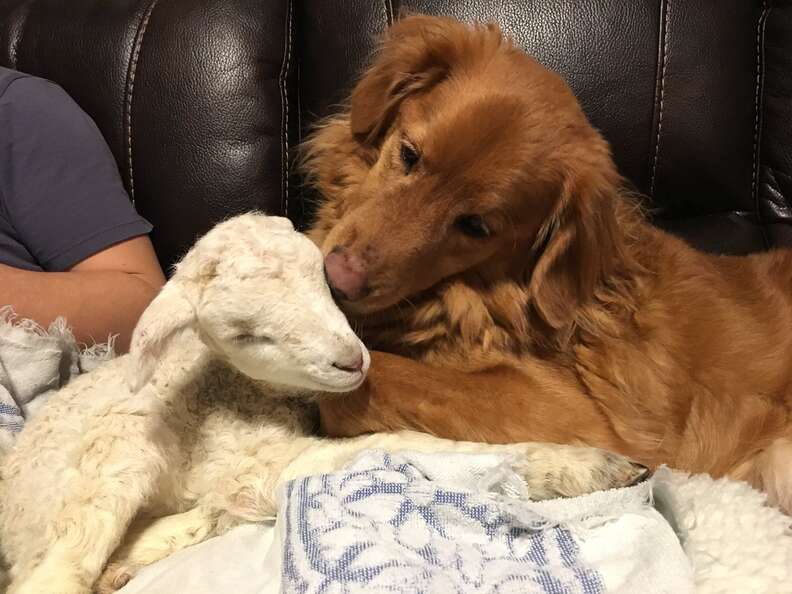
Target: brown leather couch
{"type": "Point", "coordinates": [204, 101]}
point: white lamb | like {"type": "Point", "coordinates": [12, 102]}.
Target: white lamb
{"type": "Point", "coordinates": [191, 433]}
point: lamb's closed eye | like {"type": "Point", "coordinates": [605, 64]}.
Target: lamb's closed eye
{"type": "Point", "coordinates": [254, 338]}
{"type": "Point", "coordinates": [244, 331]}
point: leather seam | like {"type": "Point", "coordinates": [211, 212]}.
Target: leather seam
{"type": "Point", "coordinates": [663, 68]}
{"type": "Point", "coordinates": [13, 50]}
{"type": "Point", "coordinates": [299, 104]}
{"type": "Point", "coordinates": [283, 81]}
{"type": "Point", "coordinates": [301, 187]}
{"type": "Point", "coordinates": [130, 90]}
{"type": "Point", "coordinates": [758, 93]}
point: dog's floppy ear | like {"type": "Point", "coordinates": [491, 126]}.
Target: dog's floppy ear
{"type": "Point", "coordinates": [580, 246]}
{"type": "Point", "coordinates": [416, 54]}
{"type": "Point", "coordinates": [169, 313]}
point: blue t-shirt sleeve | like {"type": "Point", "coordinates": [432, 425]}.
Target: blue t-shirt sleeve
{"type": "Point", "coordinates": [60, 186]}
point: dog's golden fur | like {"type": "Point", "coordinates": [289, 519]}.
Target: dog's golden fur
{"type": "Point", "coordinates": [575, 320]}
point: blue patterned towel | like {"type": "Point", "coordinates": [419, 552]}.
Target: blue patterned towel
{"type": "Point", "coordinates": [444, 524]}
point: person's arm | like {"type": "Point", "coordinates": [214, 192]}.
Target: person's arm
{"type": "Point", "coordinates": [101, 295]}
{"type": "Point", "coordinates": [79, 248]}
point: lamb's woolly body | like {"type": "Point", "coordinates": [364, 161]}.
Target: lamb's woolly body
{"type": "Point", "coordinates": [177, 442]}
{"type": "Point", "coordinates": [201, 439]}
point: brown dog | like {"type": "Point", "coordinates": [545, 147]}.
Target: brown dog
{"type": "Point", "coordinates": [475, 230]}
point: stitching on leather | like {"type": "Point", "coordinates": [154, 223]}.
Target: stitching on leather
{"type": "Point", "coordinates": [129, 92]}
{"type": "Point", "coordinates": [664, 33]}
{"type": "Point", "coordinates": [301, 188]}
{"type": "Point", "coordinates": [758, 88]}
{"type": "Point", "coordinates": [299, 104]}
{"type": "Point", "coordinates": [13, 49]}
{"type": "Point", "coordinates": [283, 81]}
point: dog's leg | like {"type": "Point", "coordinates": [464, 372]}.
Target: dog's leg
{"type": "Point", "coordinates": [154, 540]}
{"type": "Point", "coordinates": [116, 475]}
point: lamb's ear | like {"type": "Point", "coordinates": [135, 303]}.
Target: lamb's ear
{"type": "Point", "coordinates": [581, 243]}
{"type": "Point", "coordinates": [416, 54]}
{"type": "Point", "coordinates": [279, 223]}
{"type": "Point", "coordinates": [170, 312]}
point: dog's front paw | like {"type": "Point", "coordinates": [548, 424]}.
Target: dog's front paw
{"type": "Point", "coordinates": [566, 471]}
{"type": "Point", "coordinates": [115, 577]}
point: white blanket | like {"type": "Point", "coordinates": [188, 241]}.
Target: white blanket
{"type": "Point", "coordinates": [734, 542]}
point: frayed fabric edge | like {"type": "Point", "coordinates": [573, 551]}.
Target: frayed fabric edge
{"type": "Point", "coordinates": [9, 318]}
{"type": "Point", "coordinates": [59, 330]}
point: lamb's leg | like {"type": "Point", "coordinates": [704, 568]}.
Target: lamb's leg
{"type": "Point", "coordinates": [155, 540]}
{"type": "Point", "coordinates": [237, 500]}
{"type": "Point", "coordinates": [549, 470]}
{"type": "Point", "coordinates": [116, 475]}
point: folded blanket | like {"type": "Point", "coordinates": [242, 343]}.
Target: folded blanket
{"type": "Point", "coordinates": [35, 361]}
{"type": "Point", "coordinates": [453, 523]}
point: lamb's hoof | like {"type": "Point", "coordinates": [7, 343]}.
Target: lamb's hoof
{"type": "Point", "coordinates": [575, 471]}
{"type": "Point", "coordinates": [642, 473]}
{"type": "Point", "coordinates": [606, 471]}
{"type": "Point", "coordinates": [115, 577]}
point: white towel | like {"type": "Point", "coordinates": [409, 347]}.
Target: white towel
{"type": "Point", "coordinates": [451, 523]}
{"type": "Point", "coordinates": [35, 361]}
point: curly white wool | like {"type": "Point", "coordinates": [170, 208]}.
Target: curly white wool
{"type": "Point", "coordinates": [735, 541]}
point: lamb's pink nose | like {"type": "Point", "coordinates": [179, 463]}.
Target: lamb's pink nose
{"type": "Point", "coordinates": [346, 274]}
{"type": "Point", "coordinates": [353, 365]}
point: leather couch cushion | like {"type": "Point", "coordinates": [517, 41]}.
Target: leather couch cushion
{"type": "Point", "coordinates": [686, 91]}
{"type": "Point", "coordinates": [191, 95]}
{"type": "Point", "coordinates": [204, 101]}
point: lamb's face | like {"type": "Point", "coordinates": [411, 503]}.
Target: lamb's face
{"type": "Point", "coordinates": [268, 309]}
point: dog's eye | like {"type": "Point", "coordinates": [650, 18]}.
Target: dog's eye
{"type": "Point", "coordinates": [472, 226]}
{"type": "Point", "coordinates": [409, 156]}
{"type": "Point", "coordinates": [253, 338]}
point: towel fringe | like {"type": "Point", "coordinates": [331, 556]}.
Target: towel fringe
{"type": "Point", "coordinates": [60, 330]}
{"type": "Point", "coordinates": [10, 318]}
